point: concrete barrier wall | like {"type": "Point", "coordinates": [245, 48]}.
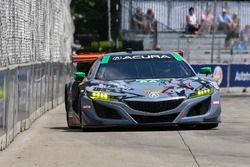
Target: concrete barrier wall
{"type": "Point", "coordinates": [26, 92]}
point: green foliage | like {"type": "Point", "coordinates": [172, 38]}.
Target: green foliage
{"type": "Point", "coordinates": [95, 44]}
{"type": "Point", "coordinates": [91, 24]}
{"type": "Point", "coordinates": [101, 45]}
{"type": "Point", "coordinates": [90, 16]}
{"type": "Point", "coordinates": [104, 45]}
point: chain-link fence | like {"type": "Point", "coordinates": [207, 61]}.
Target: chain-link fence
{"type": "Point", "coordinates": [39, 34]}
{"type": "Point", "coordinates": [35, 30]}
{"type": "Point", "coordinates": [170, 14]}
{"type": "Point", "coordinates": [207, 47]}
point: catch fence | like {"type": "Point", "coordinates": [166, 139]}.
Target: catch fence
{"type": "Point", "coordinates": [35, 31]}
{"type": "Point", "coordinates": [35, 51]}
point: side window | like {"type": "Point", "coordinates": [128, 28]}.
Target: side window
{"type": "Point", "coordinates": [83, 67]}
{"type": "Point", "coordinates": [92, 69]}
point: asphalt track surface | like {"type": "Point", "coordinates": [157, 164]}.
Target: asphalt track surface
{"type": "Point", "coordinates": [49, 143]}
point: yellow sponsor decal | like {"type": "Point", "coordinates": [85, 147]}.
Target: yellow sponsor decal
{"type": "Point", "coordinates": [2, 92]}
{"type": "Point", "coordinates": [153, 91]}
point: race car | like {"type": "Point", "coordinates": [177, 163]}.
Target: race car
{"type": "Point", "coordinates": [144, 88]}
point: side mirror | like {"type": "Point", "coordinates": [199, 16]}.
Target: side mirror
{"type": "Point", "coordinates": [79, 74]}
{"type": "Point", "coordinates": [206, 70]}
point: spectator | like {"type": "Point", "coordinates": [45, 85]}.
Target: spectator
{"type": "Point", "coordinates": [207, 20]}
{"type": "Point", "coordinates": [150, 21]}
{"type": "Point", "coordinates": [234, 30]}
{"type": "Point", "coordinates": [245, 35]}
{"type": "Point", "coordinates": [138, 20]}
{"type": "Point", "coordinates": [192, 22]}
{"type": "Point", "coordinates": [224, 20]}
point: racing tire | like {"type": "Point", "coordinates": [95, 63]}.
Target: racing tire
{"type": "Point", "coordinates": [66, 97]}
{"type": "Point", "coordinates": [66, 107]}
{"type": "Point", "coordinates": [207, 126]}
{"type": "Point", "coordinates": [70, 127]}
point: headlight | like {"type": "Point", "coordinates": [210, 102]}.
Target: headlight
{"type": "Point", "coordinates": [202, 93]}
{"type": "Point", "coordinates": [101, 96]}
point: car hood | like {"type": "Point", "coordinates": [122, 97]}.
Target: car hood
{"type": "Point", "coordinates": [150, 88]}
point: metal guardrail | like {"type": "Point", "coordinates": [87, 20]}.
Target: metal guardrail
{"type": "Point", "coordinates": [27, 92]}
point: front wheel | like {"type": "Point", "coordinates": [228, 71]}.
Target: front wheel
{"type": "Point", "coordinates": [72, 124]}
{"type": "Point", "coordinates": [69, 126]}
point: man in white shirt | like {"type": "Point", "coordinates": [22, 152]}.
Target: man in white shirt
{"type": "Point", "coordinates": [192, 22]}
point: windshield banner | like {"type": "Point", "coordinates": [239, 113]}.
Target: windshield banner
{"type": "Point", "coordinates": [219, 72]}
{"type": "Point", "coordinates": [239, 75]}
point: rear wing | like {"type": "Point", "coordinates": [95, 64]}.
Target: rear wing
{"type": "Point", "coordinates": [179, 52]}
{"type": "Point", "coordinates": [86, 57]}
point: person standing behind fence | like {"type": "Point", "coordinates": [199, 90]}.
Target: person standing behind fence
{"type": "Point", "coordinates": [233, 32]}
{"type": "Point", "coordinates": [245, 36]}
{"type": "Point", "coordinates": [192, 22]}
{"type": "Point", "coordinates": [207, 20]}
{"type": "Point", "coordinates": [150, 21]}
{"type": "Point", "coordinates": [138, 20]}
{"type": "Point", "coordinates": [224, 20]}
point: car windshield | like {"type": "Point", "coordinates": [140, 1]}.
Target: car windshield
{"type": "Point", "coordinates": [143, 69]}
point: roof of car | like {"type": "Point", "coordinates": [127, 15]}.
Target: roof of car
{"type": "Point", "coordinates": [137, 53]}
{"type": "Point", "coordinates": [90, 57]}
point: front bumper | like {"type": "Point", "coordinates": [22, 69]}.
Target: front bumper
{"type": "Point", "coordinates": [115, 113]}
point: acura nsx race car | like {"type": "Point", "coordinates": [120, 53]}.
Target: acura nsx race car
{"type": "Point", "coordinates": [141, 88]}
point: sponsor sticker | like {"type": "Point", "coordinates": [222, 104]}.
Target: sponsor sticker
{"type": "Point", "coordinates": [216, 102]}
{"type": "Point", "coordinates": [105, 59]}
{"type": "Point", "coordinates": [153, 95]}
{"type": "Point", "coordinates": [178, 57]}
{"type": "Point", "coordinates": [116, 58]}
{"type": "Point", "coordinates": [87, 106]}
{"type": "Point", "coordinates": [242, 76]}
{"type": "Point", "coordinates": [148, 80]}
{"type": "Point", "coordinates": [140, 57]}
{"type": "Point", "coordinates": [239, 75]}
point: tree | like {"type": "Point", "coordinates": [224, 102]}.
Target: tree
{"type": "Point", "coordinates": [90, 17]}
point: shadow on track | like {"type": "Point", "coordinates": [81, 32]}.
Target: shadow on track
{"type": "Point", "coordinates": [130, 129]}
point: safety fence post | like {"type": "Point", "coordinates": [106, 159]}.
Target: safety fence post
{"type": "Point", "coordinates": [23, 81]}
{"type": "Point", "coordinates": [51, 81]}
{"type": "Point", "coordinates": [3, 115]}
{"type": "Point", "coordinates": [10, 104]}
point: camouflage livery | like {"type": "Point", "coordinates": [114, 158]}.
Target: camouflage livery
{"type": "Point", "coordinates": [172, 101]}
